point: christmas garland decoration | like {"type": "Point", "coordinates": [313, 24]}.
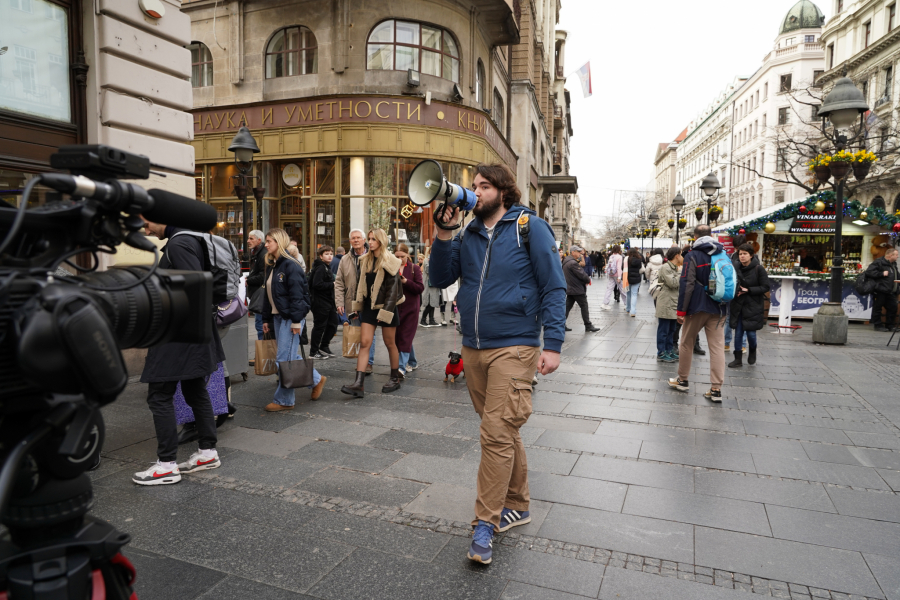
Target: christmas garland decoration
{"type": "Point", "coordinates": [852, 208]}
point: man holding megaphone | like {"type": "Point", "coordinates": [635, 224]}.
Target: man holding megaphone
{"type": "Point", "coordinates": [511, 287]}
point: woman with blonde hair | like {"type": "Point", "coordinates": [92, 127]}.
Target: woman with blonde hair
{"type": "Point", "coordinates": [376, 303]}
{"type": "Point", "coordinates": [284, 313]}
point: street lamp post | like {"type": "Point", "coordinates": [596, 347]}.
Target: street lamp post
{"type": "Point", "coordinates": [643, 226]}
{"type": "Point", "coordinates": [244, 147]}
{"type": "Point", "coordinates": [710, 187]}
{"type": "Point", "coordinates": [654, 219]}
{"type": "Point", "coordinates": [841, 107]}
{"type": "Point", "coordinates": [677, 205]}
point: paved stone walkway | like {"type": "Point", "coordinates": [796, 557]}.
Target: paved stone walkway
{"type": "Point", "coordinates": [787, 489]}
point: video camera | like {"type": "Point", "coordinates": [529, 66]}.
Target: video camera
{"type": "Point", "coordinates": [60, 359]}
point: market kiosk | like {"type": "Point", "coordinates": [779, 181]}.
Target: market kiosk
{"type": "Point", "coordinates": [795, 242]}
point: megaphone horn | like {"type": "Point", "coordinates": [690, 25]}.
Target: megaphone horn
{"type": "Point", "coordinates": [427, 183]}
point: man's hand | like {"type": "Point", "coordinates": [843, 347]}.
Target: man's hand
{"type": "Point", "coordinates": [266, 328]}
{"type": "Point", "coordinates": [886, 273]}
{"type": "Point", "coordinates": [680, 319]}
{"type": "Point", "coordinates": [340, 310]}
{"type": "Point", "coordinates": [449, 218]}
{"type": "Point", "coordinates": [548, 362]}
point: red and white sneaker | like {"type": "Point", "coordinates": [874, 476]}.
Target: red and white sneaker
{"type": "Point", "coordinates": [158, 474]}
{"type": "Point", "coordinates": [199, 462]}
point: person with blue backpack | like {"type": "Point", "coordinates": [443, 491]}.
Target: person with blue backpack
{"type": "Point", "coordinates": [748, 307]}
{"type": "Point", "coordinates": [708, 283]}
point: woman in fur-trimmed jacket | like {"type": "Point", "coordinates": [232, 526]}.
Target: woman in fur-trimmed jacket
{"type": "Point", "coordinates": [376, 303]}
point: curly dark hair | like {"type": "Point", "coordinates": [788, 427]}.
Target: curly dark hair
{"type": "Point", "coordinates": [502, 178]}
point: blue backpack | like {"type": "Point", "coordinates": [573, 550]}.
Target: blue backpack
{"type": "Point", "coordinates": [722, 280]}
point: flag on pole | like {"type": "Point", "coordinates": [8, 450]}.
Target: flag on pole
{"type": "Point", "coordinates": [584, 74]}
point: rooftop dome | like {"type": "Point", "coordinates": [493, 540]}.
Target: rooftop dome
{"type": "Point", "coordinates": [804, 15]}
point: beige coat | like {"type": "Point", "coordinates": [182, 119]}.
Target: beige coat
{"type": "Point", "coordinates": [345, 282]}
{"type": "Point", "coordinates": [384, 296]}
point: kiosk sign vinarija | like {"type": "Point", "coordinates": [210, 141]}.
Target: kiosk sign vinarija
{"type": "Point", "coordinates": [814, 223]}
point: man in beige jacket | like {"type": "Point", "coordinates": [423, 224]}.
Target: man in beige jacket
{"type": "Point", "coordinates": [345, 282]}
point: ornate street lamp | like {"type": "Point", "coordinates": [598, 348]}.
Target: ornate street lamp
{"type": "Point", "coordinates": [842, 106]}
{"type": "Point", "coordinates": [244, 147]}
{"type": "Point", "coordinates": [642, 224]}
{"type": "Point", "coordinates": [710, 187]}
{"type": "Point", "coordinates": [654, 219]}
{"type": "Point", "coordinates": [678, 205]}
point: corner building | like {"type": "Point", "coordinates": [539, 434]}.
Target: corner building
{"type": "Point", "coordinates": [344, 99]}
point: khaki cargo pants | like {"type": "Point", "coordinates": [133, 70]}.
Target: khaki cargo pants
{"type": "Point", "coordinates": [499, 382]}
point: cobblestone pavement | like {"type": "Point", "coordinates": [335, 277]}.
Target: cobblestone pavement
{"type": "Point", "coordinates": [787, 489]}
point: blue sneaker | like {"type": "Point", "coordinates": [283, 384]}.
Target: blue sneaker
{"type": "Point", "coordinates": [482, 542]}
{"type": "Point", "coordinates": [511, 518]}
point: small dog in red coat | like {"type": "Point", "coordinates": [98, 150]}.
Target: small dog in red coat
{"type": "Point", "coordinates": [454, 367]}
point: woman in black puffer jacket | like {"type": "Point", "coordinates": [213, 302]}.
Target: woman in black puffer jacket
{"type": "Point", "coordinates": [748, 307]}
{"type": "Point", "coordinates": [634, 263]}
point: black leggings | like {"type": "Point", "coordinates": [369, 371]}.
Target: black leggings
{"type": "Point", "coordinates": [161, 399]}
{"type": "Point", "coordinates": [324, 327]}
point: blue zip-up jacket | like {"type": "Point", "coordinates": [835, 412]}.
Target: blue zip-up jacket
{"type": "Point", "coordinates": [290, 292]}
{"type": "Point", "coordinates": [692, 296]}
{"type": "Point", "coordinates": [505, 295]}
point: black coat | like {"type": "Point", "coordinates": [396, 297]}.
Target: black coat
{"type": "Point", "coordinates": [875, 272]}
{"type": "Point", "coordinates": [321, 287]}
{"type": "Point", "coordinates": [290, 292]}
{"type": "Point", "coordinates": [179, 361]}
{"type": "Point", "coordinates": [750, 307]}
{"type": "Point", "coordinates": [634, 269]}
{"type": "Point", "coordinates": [257, 275]}
{"type": "Point", "coordinates": [576, 278]}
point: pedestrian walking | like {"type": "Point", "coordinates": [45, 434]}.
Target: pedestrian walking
{"type": "Point", "coordinates": [588, 264]}
{"type": "Point", "coordinates": [376, 302]}
{"type": "Point", "coordinates": [631, 279]}
{"type": "Point", "coordinates": [748, 307]}
{"type": "Point", "coordinates": [191, 364]}
{"type": "Point", "coordinates": [339, 253]}
{"type": "Point", "coordinates": [257, 274]}
{"type": "Point", "coordinates": [654, 265]}
{"type": "Point", "coordinates": [286, 305]}
{"type": "Point", "coordinates": [325, 317]}
{"type": "Point", "coordinates": [729, 332]}
{"type": "Point", "coordinates": [294, 252]}
{"type": "Point", "coordinates": [696, 311]}
{"type": "Point", "coordinates": [345, 283]}
{"type": "Point", "coordinates": [614, 273]}
{"type": "Point", "coordinates": [576, 286]}
{"type": "Point", "coordinates": [668, 277]}
{"type": "Point", "coordinates": [511, 289]}
{"type": "Point", "coordinates": [413, 286]}
{"type": "Point", "coordinates": [883, 271]}
{"type": "Point", "coordinates": [431, 297]}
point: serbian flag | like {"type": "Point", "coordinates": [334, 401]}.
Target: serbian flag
{"type": "Point", "coordinates": [584, 74]}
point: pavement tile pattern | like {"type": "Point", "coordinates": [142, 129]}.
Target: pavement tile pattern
{"type": "Point", "coordinates": [788, 489]}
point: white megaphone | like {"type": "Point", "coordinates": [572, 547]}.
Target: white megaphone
{"type": "Point", "coordinates": [427, 184]}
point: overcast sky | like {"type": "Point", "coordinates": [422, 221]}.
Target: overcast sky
{"type": "Point", "coordinates": [655, 64]}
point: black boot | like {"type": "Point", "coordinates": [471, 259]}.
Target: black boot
{"type": "Point", "coordinates": [394, 383]}
{"type": "Point", "coordinates": [357, 388]}
{"type": "Point", "coordinates": [188, 433]}
{"type": "Point", "coordinates": [738, 360]}
{"type": "Point", "coordinates": [589, 328]}
{"type": "Point", "coordinates": [424, 321]}
{"type": "Point", "coordinates": [697, 349]}
{"type": "Point", "coordinates": [751, 356]}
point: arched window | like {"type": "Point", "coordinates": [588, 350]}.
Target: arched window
{"type": "Point", "coordinates": [292, 51]}
{"type": "Point", "coordinates": [897, 203]}
{"type": "Point", "coordinates": [533, 142]}
{"type": "Point", "coordinates": [402, 45]}
{"type": "Point", "coordinates": [497, 112]}
{"type": "Point", "coordinates": [877, 202]}
{"type": "Point", "coordinates": [479, 83]}
{"type": "Point", "coordinates": [201, 65]}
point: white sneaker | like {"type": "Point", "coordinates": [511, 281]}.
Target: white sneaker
{"type": "Point", "coordinates": [199, 462]}
{"type": "Point", "coordinates": [605, 307]}
{"type": "Point", "coordinates": [158, 474]}
{"type": "Point", "coordinates": [411, 368]}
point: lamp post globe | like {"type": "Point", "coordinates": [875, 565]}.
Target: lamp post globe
{"type": "Point", "coordinates": [677, 205]}
{"type": "Point", "coordinates": [710, 187]}
{"type": "Point", "coordinates": [843, 104]}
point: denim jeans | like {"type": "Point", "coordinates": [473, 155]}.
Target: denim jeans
{"type": "Point", "coordinates": [408, 358]}
{"type": "Point", "coordinates": [665, 335]}
{"type": "Point", "coordinates": [739, 333]}
{"type": "Point", "coordinates": [631, 298]}
{"type": "Point", "coordinates": [729, 332]}
{"type": "Point", "coordinates": [288, 349]}
{"type": "Point", "coordinates": [259, 323]}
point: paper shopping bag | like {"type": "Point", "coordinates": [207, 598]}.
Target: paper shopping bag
{"type": "Point", "coordinates": [266, 352]}
{"type": "Point", "coordinates": [352, 337]}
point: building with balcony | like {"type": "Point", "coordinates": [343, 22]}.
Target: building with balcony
{"type": "Point", "coordinates": [863, 40]}
{"type": "Point", "coordinates": [774, 109]}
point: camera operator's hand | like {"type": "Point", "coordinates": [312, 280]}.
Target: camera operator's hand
{"type": "Point", "coordinates": [450, 218]}
{"type": "Point", "coordinates": [548, 362]}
